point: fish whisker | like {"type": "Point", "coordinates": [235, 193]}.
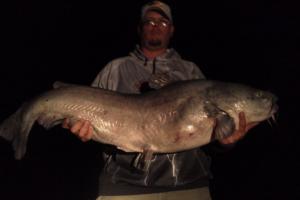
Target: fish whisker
{"type": "Point", "coordinates": [270, 122]}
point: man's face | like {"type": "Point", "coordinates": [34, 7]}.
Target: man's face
{"type": "Point", "coordinates": [155, 31]}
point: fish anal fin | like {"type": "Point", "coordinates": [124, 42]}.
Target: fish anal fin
{"type": "Point", "coordinates": [50, 120]}
{"type": "Point", "coordinates": [123, 149]}
{"type": "Point", "coordinates": [143, 160]}
{"type": "Point", "coordinates": [60, 84]}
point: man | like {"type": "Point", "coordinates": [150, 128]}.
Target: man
{"type": "Point", "coordinates": [151, 66]}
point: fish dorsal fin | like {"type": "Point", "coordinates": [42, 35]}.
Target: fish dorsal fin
{"type": "Point", "coordinates": [60, 84]}
{"type": "Point", "coordinates": [224, 124]}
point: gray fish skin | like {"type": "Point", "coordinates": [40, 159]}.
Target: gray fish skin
{"type": "Point", "coordinates": [178, 117]}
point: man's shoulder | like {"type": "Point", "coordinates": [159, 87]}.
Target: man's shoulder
{"type": "Point", "coordinates": [189, 62]}
{"type": "Point", "coordinates": [120, 59]}
{"type": "Point", "coordinates": [116, 63]}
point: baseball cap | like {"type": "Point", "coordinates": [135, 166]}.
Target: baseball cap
{"type": "Point", "coordinates": [157, 6]}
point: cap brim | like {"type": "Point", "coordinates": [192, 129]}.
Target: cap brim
{"type": "Point", "coordinates": [159, 11]}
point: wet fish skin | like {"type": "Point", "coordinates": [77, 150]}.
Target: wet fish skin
{"type": "Point", "coordinates": [178, 117]}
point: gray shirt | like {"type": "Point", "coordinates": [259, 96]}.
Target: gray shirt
{"type": "Point", "coordinates": [126, 74]}
{"type": "Point", "coordinates": [167, 172]}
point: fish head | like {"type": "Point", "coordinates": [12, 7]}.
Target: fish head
{"type": "Point", "coordinates": [257, 105]}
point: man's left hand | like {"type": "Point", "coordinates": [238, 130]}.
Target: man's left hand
{"type": "Point", "coordinates": [240, 132]}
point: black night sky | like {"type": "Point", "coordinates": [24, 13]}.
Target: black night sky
{"type": "Point", "coordinates": [252, 42]}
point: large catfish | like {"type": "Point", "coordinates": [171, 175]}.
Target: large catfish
{"type": "Point", "coordinates": [178, 117]}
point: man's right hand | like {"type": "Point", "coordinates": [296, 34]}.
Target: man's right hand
{"type": "Point", "coordinates": [81, 128]}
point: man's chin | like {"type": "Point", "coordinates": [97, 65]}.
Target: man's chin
{"type": "Point", "coordinates": [154, 45]}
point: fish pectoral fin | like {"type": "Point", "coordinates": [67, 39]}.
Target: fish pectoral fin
{"type": "Point", "coordinates": [224, 124]}
{"type": "Point", "coordinates": [143, 160]}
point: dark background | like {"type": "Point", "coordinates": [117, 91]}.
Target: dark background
{"type": "Point", "coordinates": [252, 42]}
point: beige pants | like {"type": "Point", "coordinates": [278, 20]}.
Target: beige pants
{"type": "Point", "coordinates": [192, 194]}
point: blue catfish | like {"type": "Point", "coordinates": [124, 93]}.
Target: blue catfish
{"type": "Point", "coordinates": [178, 117]}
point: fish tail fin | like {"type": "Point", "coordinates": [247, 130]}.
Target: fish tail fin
{"type": "Point", "coordinates": [20, 141]}
{"type": "Point", "coordinates": [11, 126]}
{"type": "Point", "coordinates": [15, 131]}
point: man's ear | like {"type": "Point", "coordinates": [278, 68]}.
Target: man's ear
{"type": "Point", "coordinates": [172, 30]}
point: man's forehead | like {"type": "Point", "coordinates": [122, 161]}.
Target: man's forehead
{"type": "Point", "coordinates": [155, 14]}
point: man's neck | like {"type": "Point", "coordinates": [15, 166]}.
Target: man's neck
{"type": "Point", "coordinates": [153, 54]}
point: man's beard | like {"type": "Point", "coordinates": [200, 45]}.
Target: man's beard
{"type": "Point", "coordinates": [154, 43]}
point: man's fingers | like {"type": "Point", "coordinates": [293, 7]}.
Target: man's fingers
{"type": "Point", "coordinates": [76, 127]}
{"type": "Point", "coordinates": [228, 140]}
{"type": "Point", "coordinates": [84, 131]}
{"type": "Point", "coordinates": [65, 123]}
{"type": "Point", "coordinates": [90, 132]}
{"type": "Point", "coordinates": [249, 126]}
{"type": "Point", "coordinates": [241, 132]}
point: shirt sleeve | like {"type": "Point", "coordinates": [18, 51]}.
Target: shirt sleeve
{"type": "Point", "coordinates": [108, 77]}
{"type": "Point", "coordinates": [196, 72]}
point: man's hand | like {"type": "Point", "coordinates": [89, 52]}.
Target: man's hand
{"type": "Point", "coordinates": [160, 80]}
{"type": "Point", "coordinates": [82, 129]}
{"type": "Point", "coordinates": [241, 132]}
